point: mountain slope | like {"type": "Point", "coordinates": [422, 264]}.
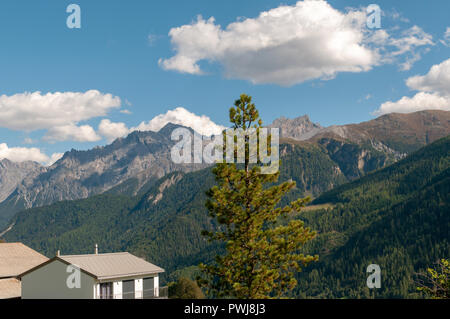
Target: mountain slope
{"type": "Point", "coordinates": [394, 133]}
{"type": "Point", "coordinates": [401, 133]}
{"type": "Point", "coordinates": [361, 148]}
{"type": "Point", "coordinates": [397, 217]}
{"type": "Point", "coordinates": [12, 175]}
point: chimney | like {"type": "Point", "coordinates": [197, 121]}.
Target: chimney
{"type": "Point", "coordinates": [96, 249]}
{"type": "Point", "coordinates": [58, 253]}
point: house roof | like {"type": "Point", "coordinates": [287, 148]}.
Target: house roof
{"type": "Point", "coordinates": [107, 266]}
{"type": "Point", "coordinates": [15, 258]}
{"type": "Point", "coordinates": [10, 288]}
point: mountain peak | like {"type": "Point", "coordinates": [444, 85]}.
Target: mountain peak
{"type": "Point", "coordinates": [167, 129]}
{"type": "Point", "coordinates": [299, 128]}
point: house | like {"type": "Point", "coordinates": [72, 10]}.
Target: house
{"type": "Point", "coordinates": [92, 276]}
{"type": "Point", "coordinates": [16, 258]}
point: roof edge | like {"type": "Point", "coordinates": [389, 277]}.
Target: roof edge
{"type": "Point", "coordinates": [100, 278]}
{"type": "Point", "coordinates": [56, 258]}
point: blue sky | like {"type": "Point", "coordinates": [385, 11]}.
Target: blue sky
{"type": "Point", "coordinates": [117, 49]}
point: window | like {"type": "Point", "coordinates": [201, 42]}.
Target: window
{"type": "Point", "coordinates": [149, 287]}
{"type": "Point", "coordinates": [106, 290]}
{"type": "Point", "coordinates": [128, 289]}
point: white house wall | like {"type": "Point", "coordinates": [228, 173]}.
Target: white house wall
{"type": "Point", "coordinates": [50, 282]}
{"type": "Point", "coordinates": [117, 290]}
{"type": "Point", "coordinates": [156, 283]}
{"type": "Point", "coordinates": [138, 288]}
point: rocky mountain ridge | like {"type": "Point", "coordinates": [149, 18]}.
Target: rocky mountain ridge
{"type": "Point", "coordinates": [131, 164]}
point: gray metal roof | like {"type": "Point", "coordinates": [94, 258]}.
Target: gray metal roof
{"type": "Point", "coordinates": [112, 265]}
{"type": "Point", "coordinates": [16, 258]}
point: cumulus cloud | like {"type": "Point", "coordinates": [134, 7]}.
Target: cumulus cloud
{"type": "Point", "coordinates": [436, 80]}
{"type": "Point", "coordinates": [289, 44]}
{"type": "Point", "coordinates": [201, 124]}
{"type": "Point", "coordinates": [34, 111]}
{"type": "Point", "coordinates": [111, 130]}
{"type": "Point", "coordinates": [285, 45]}
{"type": "Point", "coordinates": [420, 101]}
{"type": "Point", "coordinates": [434, 92]}
{"type": "Point", "coordinates": [22, 154]}
{"type": "Point", "coordinates": [71, 132]}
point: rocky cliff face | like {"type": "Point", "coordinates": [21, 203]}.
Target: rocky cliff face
{"type": "Point", "coordinates": [300, 128]}
{"type": "Point", "coordinates": [12, 174]}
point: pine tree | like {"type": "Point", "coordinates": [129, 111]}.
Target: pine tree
{"type": "Point", "coordinates": [436, 282]}
{"type": "Point", "coordinates": [263, 246]}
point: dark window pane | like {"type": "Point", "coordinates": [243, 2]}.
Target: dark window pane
{"type": "Point", "coordinates": [128, 289]}
{"type": "Point", "coordinates": [149, 287]}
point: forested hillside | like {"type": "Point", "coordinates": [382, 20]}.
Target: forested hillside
{"type": "Point", "coordinates": [398, 218]}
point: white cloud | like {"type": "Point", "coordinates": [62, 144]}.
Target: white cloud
{"type": "Point", "coordinates": [181, 116]}
{"type": "Point", "coordinates": [420, 101]}
{"type": "Point", "coordinates": [446, 40]}
{"type": "Point", "coordinates": [405, 48]}
{"type": "Point", "coordinates": [285, 45]}
{"type": "Point", "coordinates": [22, 154]}
{"type": "Point", "coordinates": [408, 43]}
{"type": "Point", "coordinates": [71, 132]}
{"type": "Point", "coordinates": [434, 92]}
{"type": "Point", "coordinates": [34, 111]}
{"type": "Point", "coordinates": [411, 38]}
{"type": "Point", "coordinates": [436, 80]}
{"type": "Point", "coordinates": [111, 130]}
{"type": "Point", "coordinates": [290, 44]}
